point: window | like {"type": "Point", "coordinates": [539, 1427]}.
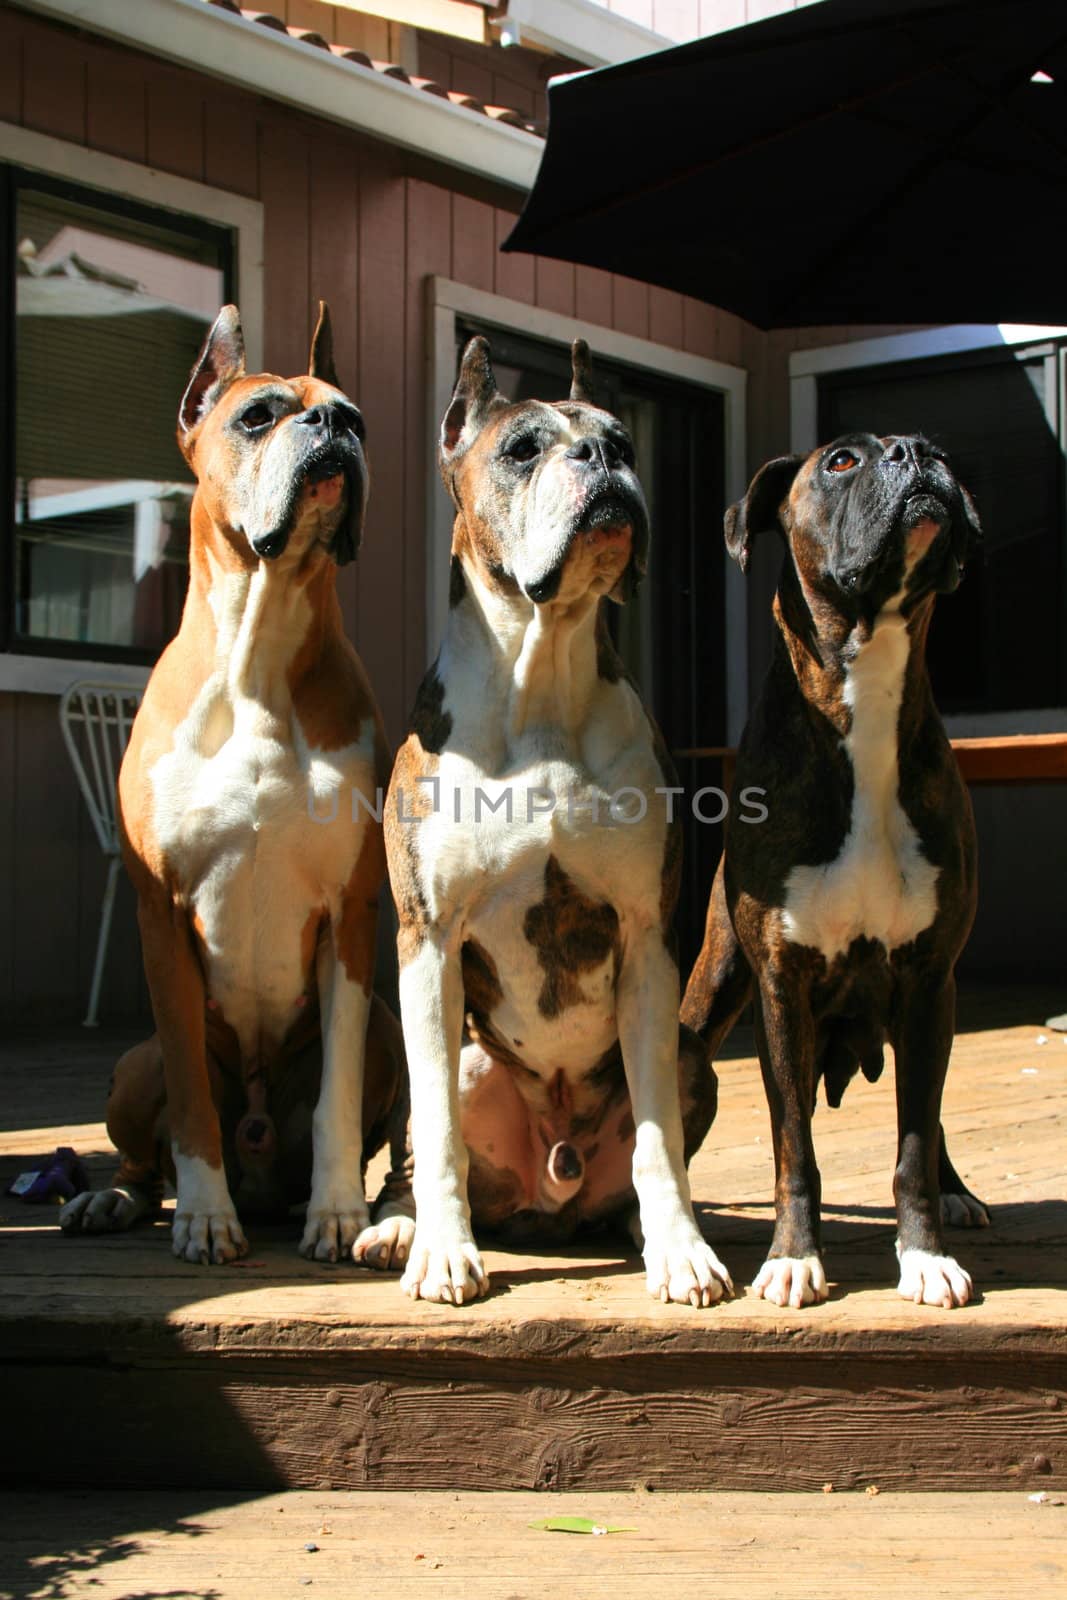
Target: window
{"type": "Point", "coordinates": [999, 642]}
{"type": "Point", "coordinates": [107, 303]}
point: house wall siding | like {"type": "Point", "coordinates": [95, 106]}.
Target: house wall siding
{"type": "Point", "coordinates": [361, 225]}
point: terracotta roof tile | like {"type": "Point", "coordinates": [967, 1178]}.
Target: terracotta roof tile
{"type": "Point", "coordinates": [386, 69]}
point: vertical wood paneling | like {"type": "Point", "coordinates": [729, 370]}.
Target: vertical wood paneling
{"type": "Point", "coordinates": [729, 338]}
{"type": "Point", "coordinates": [718, 15]}
{"type": "Point", "coordinates": [698, 322]}
{"type": "Point", "coordinates": [283, 165]}
{"type": "Point", "coordinates": [513, 274]}
{"type": "Point", "coordinates": [231, 142]}
{"type": "Point", "coordinates": [630, 302]}
{"type": "Point", "coordinates": [333, 251]}
{"type": "Point", "coordinates": [382, 625]}
{"type": "Point", "coordinates": [53, 90]}
{"type": "Point", "coordinates": [554, 282]}
{"type": "Point", "coordinates": [10, 67]}
{"type": "Point", "coordinates": [429, 253]}
{"type": "Point", "coordinates": [333, 273]}
{"type": "Point", "coordinates": [593, 292]}
{"type": "Point", "coordinates": [677, 19]}
{"type": "Point", "coordinates": [116, 119]}
{"type": "Point", "coordinates": [176, 122]}
{"type": "Point", "coordinates": [636, 10]}
{"type": "Point", "coordinates": [473, 242]}
{"type": "Point", "coordinates": [665, 317]}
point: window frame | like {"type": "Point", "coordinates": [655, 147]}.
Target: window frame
{"type": "Point", "coordinates": [1027, 342]}
{"type": "Point", "coordinates": [128, 189]}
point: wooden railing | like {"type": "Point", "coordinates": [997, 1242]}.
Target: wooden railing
{"type": "Point", "coordinates": [1013, 758]}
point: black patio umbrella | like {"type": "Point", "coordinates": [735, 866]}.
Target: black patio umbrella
{"type": "Point", "coordinates": [849, 161]}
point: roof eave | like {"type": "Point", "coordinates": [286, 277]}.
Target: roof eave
{"type": "Point", "coordinates": [215, 41]}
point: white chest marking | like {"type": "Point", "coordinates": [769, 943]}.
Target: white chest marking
{"type": "Point", "coordinates": [880, 886]}
{"type": "Point", "coordinates": [234, 798]}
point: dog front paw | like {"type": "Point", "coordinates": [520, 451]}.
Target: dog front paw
{"type": "Point", "coordinates": [207, 1238]}
{"type": "Point", "coordinates": [931, 1280]}
{"type": "Point", "coordinates": [447, 1270]}
{"type": "Point", "coordinates": [686, 1271]}
{"type": "Point", "coordinates": [960, 1211]}
{"type": "Point", "coordinates": [331, 1230]}
{"type": "Point", "coordinates": [385, 1244]}
{"type": "Point", "coordinates": [104, 1211]}
{"type": "Point", "coordinates": [791, 1281]}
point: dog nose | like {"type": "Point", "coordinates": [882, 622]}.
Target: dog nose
{"type": "Point", "coordinates": [595, 452]}
{"type": "Point", "coordinates": [905, 452]}
{"type": "Point", "coordinates": [333, 418]}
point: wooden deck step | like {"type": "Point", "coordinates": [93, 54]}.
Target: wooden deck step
{"type": "Point", "coordinates": [124, 1368]}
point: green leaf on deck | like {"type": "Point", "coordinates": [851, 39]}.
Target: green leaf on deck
{"type": "Point", "coordinates": [576, 1525]}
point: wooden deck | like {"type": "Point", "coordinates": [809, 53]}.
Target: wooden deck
{"type": "Point", "coordinates": [802, 1547]}
{"type": "Point", "coordinates": [128, 1369]}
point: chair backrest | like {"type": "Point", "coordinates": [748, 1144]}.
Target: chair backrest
{"type": "Point", "coordinates": [96, 719]}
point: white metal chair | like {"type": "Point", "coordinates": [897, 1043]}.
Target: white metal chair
{"type": "Point", "coordinates": [96, 719]}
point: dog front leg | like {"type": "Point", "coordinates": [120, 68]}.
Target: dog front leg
{"type": "Point", "coordinates": [337, 1211]}
{"type": "Point", "coordinates": [922, 1033]}
{"type": "Point", "coordinates": [444, 1263]}
{"type": "Point", "coordinates": [205, 1227]}
{"type": "Point", "coordinates": [679, 1263]}
{"type": "Point", "coordinates": [793, 1274]}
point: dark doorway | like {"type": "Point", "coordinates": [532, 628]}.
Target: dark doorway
{"type": "Point", "coordinates": [1000, 642]}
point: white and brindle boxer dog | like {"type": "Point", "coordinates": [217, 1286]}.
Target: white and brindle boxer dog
{"type": "Point", "coordinates": [849, 905]}
{"type": "Point", "coordinates": [538, 984]}
{"type": "Point", "coordinates": [275, 1073]}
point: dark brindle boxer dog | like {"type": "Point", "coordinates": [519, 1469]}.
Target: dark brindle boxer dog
{"type": "Point", "coordinates": [851, 902]}
{"type": "Point", "coordinates": [273, 1070]}
{"type": "Point", "coordinates": [527, 917]}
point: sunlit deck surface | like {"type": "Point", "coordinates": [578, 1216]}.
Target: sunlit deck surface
{"type": "Point", "coordinates": [128, 1369]}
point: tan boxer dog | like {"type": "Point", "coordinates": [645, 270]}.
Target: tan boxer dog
{"type": "Point", "coordinates": [245, 803]}
{"type": "Point", "coordinates": [843, 912]}
{"type": "Point", "coordinates": [535, 868]}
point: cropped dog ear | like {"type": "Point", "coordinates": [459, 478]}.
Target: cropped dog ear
{"type": "Point", "coordinates": [320, 361]}
{"type": "Point", "coordinates": [221, 362]}
{"type": "Point", "coordinates": [759, 511]}
{"type": "Point", "coordinates": [582, 386]}
{"type": "Point", "coordinates": [474, 400]}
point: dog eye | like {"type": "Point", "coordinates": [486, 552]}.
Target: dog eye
{"type": "Point", "coordinates": [842, 461]}
{"type": "Point", "coordinates": [524, 448]}
{"type": "Point", "coordinates": [256, 417]}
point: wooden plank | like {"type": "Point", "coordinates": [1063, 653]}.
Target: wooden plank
{"type": "Point", "coordinates": [1022, 758]}
{"type": "Point", "coordinates": [429, 253]}
{"type": "Point", "coordinates": [201, 1543]}
{"type": "Point", "coordinates": [514, 274]}
{"type": "Point", "coordinates": [630, 306]}
{"type": "Point", "coordinates": [231, 141]}
{"type": "Point", "coordinates": [593, 291]}
{"type": "Point", "coordinates": [53, 97]}
{"type": "Point", "coordinates": [555, 285]}
{"type": "Point", "coordinates": [381, 302]}
{"type": "Point", "coordinates": [699, 324]}
{"type": "Point", "coordinates": [11, 37]}
{"type": "Point", "coordinates": [175, 101]}
{"type": "Point", "coordinates": [665, 317]}
{"type": "Point", "coordinates": [116, 116]}
{"type": "Point", "coordinates": [284, 190]}
{"type": "Point", "coordinates": [473, 242]}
